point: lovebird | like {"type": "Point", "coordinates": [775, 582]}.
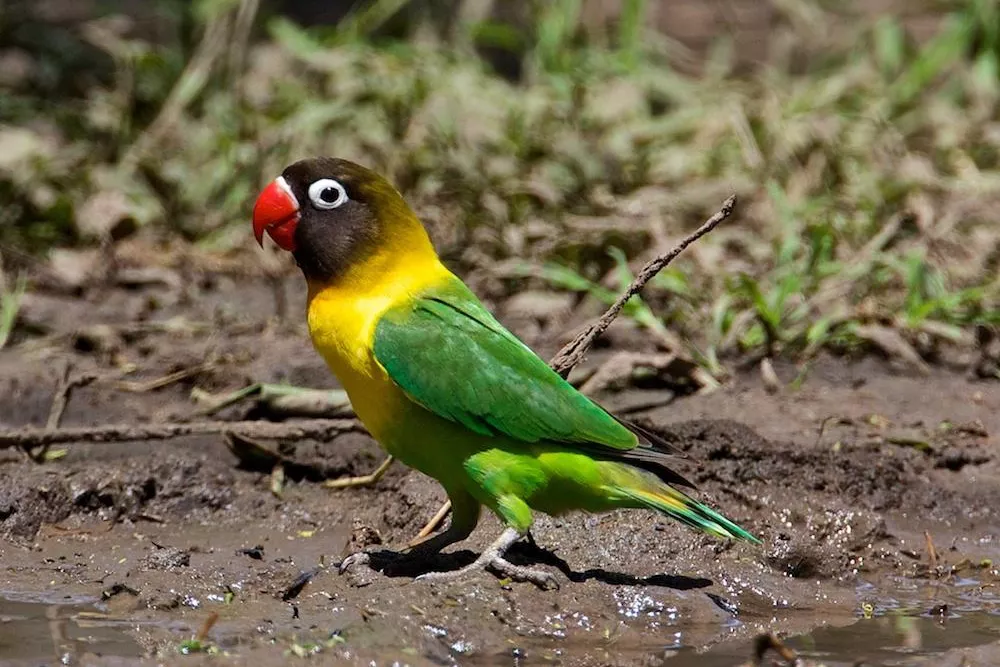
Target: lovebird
{"type": "Point", "coordinates": [443, 386]}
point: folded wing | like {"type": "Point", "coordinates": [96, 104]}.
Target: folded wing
{"type": "Point", "coordinates": [450, 355]}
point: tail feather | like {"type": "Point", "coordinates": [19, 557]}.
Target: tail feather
{"type": "Point", "coordinates": [688, 511]}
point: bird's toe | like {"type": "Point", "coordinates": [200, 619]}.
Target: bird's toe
{"type": "Point", "coordinates": [354, 560]}
{"type": "Point", "coordinates": [541, 578]}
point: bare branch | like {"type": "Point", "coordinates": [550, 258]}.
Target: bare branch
{"type": "Point", "coordinates": [326, 429]}
{"type": "Point", "coordinates": [573, 353]}
{"type": "Point", "coordinates": [320, 429]}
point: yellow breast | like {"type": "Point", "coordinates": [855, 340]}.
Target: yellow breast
{"type": "Point", "coordinates": [342, 319]}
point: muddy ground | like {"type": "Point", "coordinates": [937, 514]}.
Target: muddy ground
{"type": "Point", "coordinates": [132, 546]}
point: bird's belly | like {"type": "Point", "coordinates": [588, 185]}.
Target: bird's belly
{"type": "Point", "coordinates": [417, 437]}
{"type": "Point", "coordinates": [547, 477]}
{"type": "Point", "coordinates": [378, 402]}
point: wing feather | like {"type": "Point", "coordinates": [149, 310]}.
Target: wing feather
{"type": "Point", "coordinates": [451, 356]}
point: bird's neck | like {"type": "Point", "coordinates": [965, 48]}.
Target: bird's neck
{"type": "Point", "coordinates": [343, 313]}
{"type": "Point", "coordinates": [403, 261]}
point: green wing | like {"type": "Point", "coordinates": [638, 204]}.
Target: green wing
{"type": "Point", "coordinates": [451, 356]}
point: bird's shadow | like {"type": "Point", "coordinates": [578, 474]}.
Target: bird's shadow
{"type": "Point", "coordinates": [395, 564]}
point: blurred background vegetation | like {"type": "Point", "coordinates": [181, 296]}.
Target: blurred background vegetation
{"type": "Point", "coordinates": [549, 145]}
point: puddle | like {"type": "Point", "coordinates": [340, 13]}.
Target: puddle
{"type": "Point", "coordinates": [35, 630]}
{"type": "Point", "coordinates": [906, 629]}
{"type": "Point", "coordinates": [884, 641]}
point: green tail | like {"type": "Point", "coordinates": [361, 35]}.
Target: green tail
{"type": "Point", "coordinates": [688, 511]}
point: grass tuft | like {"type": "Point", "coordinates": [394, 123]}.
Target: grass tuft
{"type": "Point", "coordinates": [867, 164]}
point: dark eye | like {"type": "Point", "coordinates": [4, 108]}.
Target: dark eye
{"type": "Point", "coordinates": [327, 193]}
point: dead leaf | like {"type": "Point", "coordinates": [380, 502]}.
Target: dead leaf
{"type": "Point", "coordinates": [106, 213]}
{"type": "Point", "coordinates": [74, 269]}
{"type": "Point", "coordinates": [772, 384]}
{"type": "Point", "coordinates": [892, 343]}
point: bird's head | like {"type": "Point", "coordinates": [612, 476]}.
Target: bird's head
{"type": "Point", "coordinates": [332, 214]}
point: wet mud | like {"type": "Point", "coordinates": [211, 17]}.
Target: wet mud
{"type": "Point", "coordinates": [873, 489]}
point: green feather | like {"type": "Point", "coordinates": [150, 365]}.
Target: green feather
{"type": "Point", "coordinates": [691, 512]}
{"type": "Point", "coordinates": [550, 447]}
{"type": "Point", "coordinates": [451, 356]}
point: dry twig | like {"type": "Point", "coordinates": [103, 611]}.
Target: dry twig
{"type": "Point", "coordinates": [192, 81]}
{"type": "Point", "coordinates": [64, 390]}
{"type": "Point", "coordinates": [320, 429]}
{"type": "Point", "coordinates": [141, 387]}
{"type": "Point", "coordinates": [63, 395]}
{"type": "Point", "coordinates": [573, 353]}
{"type": "Point", "coordinates": [280, 401]}
{"type": "Point", "coordinates": [932, 554]}
{"type": "Point", "coordinates": [325, 429]}
{"type": "Point", "coordinates": [769, 642]}
{"type": "Point", "coordinates": [432, 525]}
{"type": "Point", "coordinates": [892, 343]}
{"type": "Point", "coordinates": [206, 627]}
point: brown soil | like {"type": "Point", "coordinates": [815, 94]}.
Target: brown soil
{"type": "Point", "coordinates": [840, 478]}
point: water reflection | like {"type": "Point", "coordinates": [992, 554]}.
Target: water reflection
{"type": "Point", "coordinates": [35, 631]}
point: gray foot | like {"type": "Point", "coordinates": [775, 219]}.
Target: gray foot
{"type": "Point", "coordinates": [492, 559]}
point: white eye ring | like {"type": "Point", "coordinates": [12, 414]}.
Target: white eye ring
{"type": "Point", "coordinates": [322, 187]}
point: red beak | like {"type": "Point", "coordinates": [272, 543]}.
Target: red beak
{"type": "Point", "coordinates": [277, 213]}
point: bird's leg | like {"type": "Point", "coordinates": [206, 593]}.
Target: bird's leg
{"type": "Point", "coordinates": [464, 517]}
{"type": "Point", "coordinates": [493, 559]}
{"type": "Point", "coordinates": [432, 525]}
{"type": "Point", "coordinates": [361, 480]}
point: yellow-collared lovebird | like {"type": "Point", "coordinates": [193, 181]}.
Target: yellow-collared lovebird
{"type": "Point", "coordinates": [442, 385]}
